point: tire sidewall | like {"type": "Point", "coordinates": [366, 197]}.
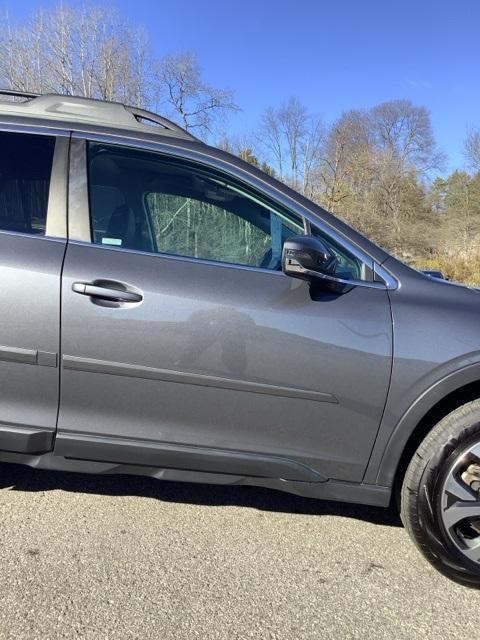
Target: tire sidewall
{"type": "Point", "coordinates": [445, 555]}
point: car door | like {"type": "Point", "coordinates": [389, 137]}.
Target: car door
{"type": "Point", "coordinates": [33, 169]}
{"type": "Point", "coordinates": [183, 344]}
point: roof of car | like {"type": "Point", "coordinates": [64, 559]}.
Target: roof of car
{"type": "Point", "coordinates": [63, 108]}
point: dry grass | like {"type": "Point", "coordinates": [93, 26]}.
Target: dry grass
{"type": "Point", "coordinates": [460, 268]}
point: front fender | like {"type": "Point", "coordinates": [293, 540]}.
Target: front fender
{"type": "Point", "coordinates": [392, 438]}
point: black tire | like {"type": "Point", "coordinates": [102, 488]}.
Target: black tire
{"type": "Point", "coordinates": [422, 491]}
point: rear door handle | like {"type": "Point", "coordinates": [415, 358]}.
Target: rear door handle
{"type": "Point", "coordinates": [106, 293]}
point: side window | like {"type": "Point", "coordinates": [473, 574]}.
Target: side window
{"type": "Point", "coordinates": [140, 201]}
{"type": "Point", "coordinates": [25, 169]}
{"type": "Point", "coordinates": [348, 266]}
{"type": "Point", "coordinates": [231, 228]}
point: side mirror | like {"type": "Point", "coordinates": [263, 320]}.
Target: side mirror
{"type": "Point", "coordinates": [308, 258]}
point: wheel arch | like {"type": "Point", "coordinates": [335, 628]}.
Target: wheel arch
{"type": "Point", "coordinates": [435, 403]}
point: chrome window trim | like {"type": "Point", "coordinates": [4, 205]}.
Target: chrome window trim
{"type": "Point", "coordinates": [198, 155]}
{"type": "Point", "coordinates": [217, 263]}
{"type": "Point", "coordinates": [172, 256]}
{"type": "Point", "coordinates": [391, 283]}
{"type": "Point", "coordinates": [9, 127]}
{"type": "Point", "coordinates": [35, 236]}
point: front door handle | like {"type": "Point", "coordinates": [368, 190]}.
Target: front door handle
{"type": "Point", "coordinates": [106, 292]}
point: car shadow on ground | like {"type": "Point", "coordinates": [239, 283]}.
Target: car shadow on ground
{"type": "Point", "coordinates": [21, 478]}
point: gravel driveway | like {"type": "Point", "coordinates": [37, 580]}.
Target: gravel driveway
{"type": "Point", "coordinates": [124, 557]}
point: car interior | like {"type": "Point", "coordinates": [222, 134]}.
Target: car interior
{"type": "Point", "coordinates": [25, 182]}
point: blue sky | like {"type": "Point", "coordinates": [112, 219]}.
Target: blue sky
{"type": "Point", "coordinates": [332, 55]}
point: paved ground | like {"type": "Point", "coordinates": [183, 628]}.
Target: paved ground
{"type": "Point", "coordinates": [88, 557]}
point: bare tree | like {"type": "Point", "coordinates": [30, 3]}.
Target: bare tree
{"type": "Point", "coordinates": [90, 51]}
{"type": "Point", "coordinates": [293, 118]}
{"type": "Point", "coordinates": [472, 149]}
{"type": "Point", "coordinates": [403, 131]}
{"type": "Point", "coordinates": [346, 167]}
{"type": "Point", "coordinates": [312, 153]}
{"type": "Point", "coordinates": [375, 166]}
{"type": "Point", "coordinates": [179, 85]}
{"type": "Point", "coordinates": [21, 55]}
{"type": "Point", "coordinates": [270, 136]}
{"type": "Point", "coordinates": [87, 51]}
{"type": "Point", "coordinates": [293, 141]}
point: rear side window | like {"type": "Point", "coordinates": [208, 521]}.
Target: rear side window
{"type": "Point", "coordinates": [25, 169]}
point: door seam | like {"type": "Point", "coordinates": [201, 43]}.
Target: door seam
{"type": "Point", "coordinates": [61, 293]}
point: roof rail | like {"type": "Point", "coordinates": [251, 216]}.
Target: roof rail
{"type": "Point", "coordinates": [149, 116]}
{"type": "Point", "coordinates": [74, 109]}
{"type": "Point", "coordinates": [18, 94]}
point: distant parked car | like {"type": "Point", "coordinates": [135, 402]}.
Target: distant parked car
{"type": "Point", "coordinates": [434, 274]}
{"type": "Point", "coordinates": [168, 309]}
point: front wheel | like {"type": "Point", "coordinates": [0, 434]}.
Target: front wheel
{"type": "Point", "coordinates": [440, 501]}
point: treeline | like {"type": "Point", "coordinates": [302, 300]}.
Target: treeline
{"type": "Point", "coordinates": [379, 168]}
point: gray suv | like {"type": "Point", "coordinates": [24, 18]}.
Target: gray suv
{"type": "Point", "coordinates": [170, 310]}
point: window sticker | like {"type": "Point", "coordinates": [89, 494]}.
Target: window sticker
{"type": "Point", "coordinates": [117, 242]}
